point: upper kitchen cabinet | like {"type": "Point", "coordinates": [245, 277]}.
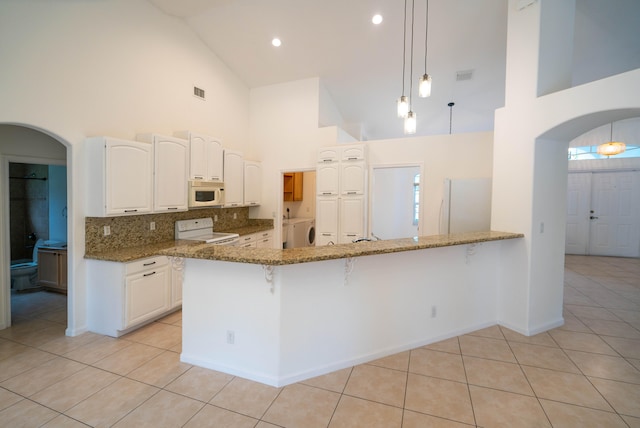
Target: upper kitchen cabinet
{"type": "Point", "coordinates": [233, 179]}
{"type": "Point", "coordinates": [252, 183]}
{"type": "Point", "coordinates": [329, 154]}
{"type": "Point", "coordinates": [328, 179]}
{"type": "Point", "coordinates": [119, 177]}
{"type": "Point", "coordinates": [353, 153]}
{"type": "Point", "coordinates": [171, 172]}
{"type": "Point", "coordinates": [206, 156]}
{"type": "Point", "coordinates": [292, 190]}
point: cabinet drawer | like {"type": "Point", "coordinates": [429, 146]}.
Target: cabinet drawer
{"type": "Point", "coordinates": [145, 264]}
{"type": "Point", "coordinates": [247, 239]}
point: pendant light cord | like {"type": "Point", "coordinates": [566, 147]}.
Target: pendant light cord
{"type": "Point", "coordinates": [413, 4]}
{"type": "Point", "coordinates": [426, 34]}
{"type": "Point", "coordinates": [404, 45]}
{"type": "Point", "coordinates": [451, 104]}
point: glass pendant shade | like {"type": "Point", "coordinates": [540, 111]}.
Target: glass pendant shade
{"type": "Point", "coordinates": [410, 123]}
{"type": "Point", "coordinates": [403, 106]}
{"type": "Point", "coordinates": [424, 90]}
{"type": "Point", "coordinates": [611, 148]}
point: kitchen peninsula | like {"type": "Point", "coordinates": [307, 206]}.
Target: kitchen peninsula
{"type": "Point", "coordinates": [281, 316]}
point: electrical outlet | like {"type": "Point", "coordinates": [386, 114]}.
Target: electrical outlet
{"type": "Point", "coordinates": [152, 225]}
{"type": "Point", "coordinates": [231, 337]}
{"type": "Point", "coordinates": [215, 217]}
{"type": "Point", "coordinates": [434, 311]}
{"type": "Point", "coordinates": [107, 230]}
{"type": "Point", "coordinates": [235, 216]}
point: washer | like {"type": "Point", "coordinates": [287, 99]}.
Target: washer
{"type": "Point", "coordinates": [301, 233]}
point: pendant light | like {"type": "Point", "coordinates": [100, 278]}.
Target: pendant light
{"type": "Point", "coordinates": [611, 148]}
{"type": "Point", "coordinates": [424, 89]}
{"type": "Point", "coordinates": [410, 120]}
{"type": "Point", "coordinates": [403, 101]}
{"type": "Point", "coordinates": [451, 104]}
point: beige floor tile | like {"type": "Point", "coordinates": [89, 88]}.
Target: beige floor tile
{"type": "Point", "coordinates": [631, 421]}
{"type": "Point", "coordinates": [156, 334]}
{"type": "Point", "coordinates": [377, 384]}
{"type": "Point", "coordinates": [493, 332]}
{"type": "Point", "coordinates": [575, 297]}
{"type": "Point", "coordinates": [246, 397]}
{"type": "Point", "coordinates": [161, 370]}
{"type": "Point", "coordinates": [302, 406]}
{"type": "Point", "coordinates": [449, 345]}
{"type": "Point", "coordinates": [153, 412]}
{"type": "Point", "coordinates": [634, 363]}
{"type": "Point", "coordinates": [626, 315]}
{"type": "Point", "coordinates": [439, 397]}
{"type": "Point", "coordinates": [97, 350]}
{"type": "Point", "coordinates": [542, 339]}
{"type": "Point", "coordinates": [418, 420]}
{"type": "Point", "coordinates": [565, 387]}
{"type": "Point", "coordinates": [8, 398]}
{"type": "Point", "coordinates": [22, 362]}
{"type": "Point", "coordinates": [613, 328]}
{"type": "Point", "coordinates": [126, 360]}
{"type": "Point", "coordinates": [62, 421]}
{"type": "Point", "coordinates": [569, 416]}
{"type": "Point", "coordinates": [38, 378]}
{"type": "Point", "coordinates": [485, 347]}
{"type": "Point", "coordinates": [588, 312]}
{"type": "Point", "coordinates": [605, 366]}
{"type": "Point", "coordinates": [354, 413]}
{"type": "Point", "coordinates": [110, 404]}
{"type": "Point", "coordinates": [214, 417]}
{"type": "Point", "coordinates": [334, 381]}
{"type": "Point", "coordinates": [18, 329]}
{"type": "Point", "coordinates": [65, 344]}
{"type": "Point", "coordinates": [398, 361]}
{"type": "Point", "coordinates": [177, 348]}
{"type": "Point", "coordinates": [543, 357]}
{"type": "Point", "coordinates": [26, 414]}
{"type": "Point", "coordinates": [172, 318]}
{"type": "Point", "coordinates": [9, 348]}
{"type": "Point", "coordinates": [577, 341]}
{"type": "Point", "coordinates": [628, 348]}
{"type": "Point", "coordinates": [437, 364]}
{"type": "Point", "coordinates": [496, 374]}
{"type": "Point", "coordinates": [572, 323]}
{"type": "Point", "coordinates": [38, 338]}
{"type": "Point", "coordinates": [199, 383]}
{"type": "Point", "coordinates": [624, 397]}
{"type": "Point", "coordinates": [72, 390]}
{"type": "Point", "coordinates": [502, 409]}
{"type": "Point", "coordinates": [263, 424]}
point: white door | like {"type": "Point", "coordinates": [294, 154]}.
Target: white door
{"type": "Point", "coordinates": [578, 206]}
{"type": "Point", "coordinates": [393, 199]}
{"type": "Point", "coordinates": [603, 214]}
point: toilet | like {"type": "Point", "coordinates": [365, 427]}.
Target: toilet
{"type": "Point", "coordinates": [25, 275]}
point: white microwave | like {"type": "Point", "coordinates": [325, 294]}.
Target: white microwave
{"type": "Point", "coordinates": [205, 194]}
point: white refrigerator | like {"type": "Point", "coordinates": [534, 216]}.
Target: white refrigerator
{"type": "Point", "coordinates": [466, 205]}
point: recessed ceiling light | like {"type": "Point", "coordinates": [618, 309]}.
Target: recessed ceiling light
{"type": "Point", "coordinates": [276, 42]}
{"type": "Point", "coordinates": [377, 19]}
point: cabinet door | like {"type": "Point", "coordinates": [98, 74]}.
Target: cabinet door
{"type": "Point", "coordinates": [128, 177]}
{"type": "Point", "coordinates": [328, 154]}
{"type": "Point", "coordinates": [351, 219]}
{"type": "Point", "coordinates": [147, 294]}
{"type": "Point", "coordinates": [264, 239]}
{"type": "Point", "coordinates": [252, 183]}
{"type": "Point", "coordinates": [215, 157]}
{"type": "Point", "coordinates": [171, 174]}
{"type": "Point", "coordinates": [233, 179]}
{"type": "Point", "coordinates": [326, 219]}
{"type": "Point", "coordinates": [48, 268]}
{"type": "Point", "coordinates": [352, 153]}
{"type": "Point", "coordinates": [326, 238]}
{"type": "Point", "coordinates": [327, 179]}
{"type": "Point", "coordinates": [176, 287]}
{"type": "Point", "coordinates": [352, 178]}
{"type": "Point", "coordinates": [62, 270]}
{"type": "Point", "coordinates": [198, 157]}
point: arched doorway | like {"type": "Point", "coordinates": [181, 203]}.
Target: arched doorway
{"type": "Point", "coordinates": [28, 146]}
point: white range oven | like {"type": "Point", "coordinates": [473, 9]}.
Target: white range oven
{"type": "Point", "coordinates": [201, 229]}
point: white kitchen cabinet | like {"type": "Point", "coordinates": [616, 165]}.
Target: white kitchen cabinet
{"type": "Point", "coordinates": [119, 177]}
{"type": "Point", "coordinates": [233, 179]}
{"type": "Point", "coordinates": [252, 183]}
{"type": "Point", "coordinates": [205, 156]}
{"type": "Point", "coordinates": [176, 283]}
{"type": "Point", "coordinates": [264, 239]}
{"type": "Point", "coordinates": [248, 241]}
{"type": "Point", "coordinates": [170, 172]}
{"type": "Point", "coordinates": [341, 178]}
{"type": "Point", "coordinates": [123, 296]}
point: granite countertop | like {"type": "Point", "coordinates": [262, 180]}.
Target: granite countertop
{"type": "Point", "coordinates": [275, 257]}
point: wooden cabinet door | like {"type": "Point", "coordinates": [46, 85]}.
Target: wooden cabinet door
{"type": "Point", "coordinates": [48, 268]}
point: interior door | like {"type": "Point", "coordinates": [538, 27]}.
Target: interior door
{"type": "Point", "coordinates": [615, 216]}
{"type": "Point", "coordinates": [578, 207]}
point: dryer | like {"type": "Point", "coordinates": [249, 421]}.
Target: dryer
{"type": "Point", "coordinates": [301, 233]}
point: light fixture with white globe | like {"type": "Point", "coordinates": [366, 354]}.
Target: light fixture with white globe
{"type": "Point", "coordinates": [276, 42]}
{"type": "Point", "coordinates": [424, 88]}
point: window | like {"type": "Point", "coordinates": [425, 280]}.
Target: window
{"type": "Point", "coordinates": [416, 199]}
{"type": "Point", "coordinates": [591, 152]}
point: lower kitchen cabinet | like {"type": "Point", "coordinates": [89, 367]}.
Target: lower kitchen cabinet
{"type": "Point", "coordinates": [257, 240]}
{"type": "Point", "coordinates": [52, 269]}
{"type": "Point", "coordinates": [124, 296]}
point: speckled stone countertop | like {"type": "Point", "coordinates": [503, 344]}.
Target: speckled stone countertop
{"type": "Point", "coordinates": [276, 257]}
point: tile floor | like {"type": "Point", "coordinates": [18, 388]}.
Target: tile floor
{"type": "Point", "coordinates": [583, 374]}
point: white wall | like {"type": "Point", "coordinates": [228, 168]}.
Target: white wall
{"type": "Point", "coordinates": [58, 203]}
{"type": "Point", "coordinates": [119, 67]}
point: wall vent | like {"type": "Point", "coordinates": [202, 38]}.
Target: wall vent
{"type": "Point", "coordinates": [464, 75]}
{"type": "Point", "coordinates": [198, 92]}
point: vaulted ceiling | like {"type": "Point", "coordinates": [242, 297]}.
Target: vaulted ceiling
{"type": "Point", "coordinates": [360, 64]}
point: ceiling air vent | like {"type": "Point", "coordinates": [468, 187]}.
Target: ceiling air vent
{"type": "Point", "coordinates": [198, 92]}
{"type": "Point", "coordinates": [464, 75]}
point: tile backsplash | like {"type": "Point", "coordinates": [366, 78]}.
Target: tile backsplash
{"type": "Point", "coordinates": [131, 231]}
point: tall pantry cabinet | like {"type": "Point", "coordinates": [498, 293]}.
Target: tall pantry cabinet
{"type": "Point", "coordinates": [341, 194]}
